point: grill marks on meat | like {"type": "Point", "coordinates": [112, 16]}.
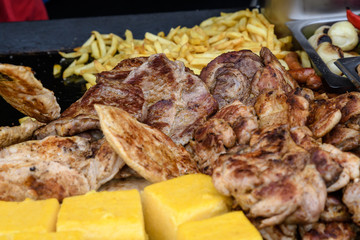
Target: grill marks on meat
{"type": "Point", "coordinates": [332, 230]}
{"type": "Point", "coordinates": [263, 147]}
{"type": "Point", "coordinates": [81, 115]}
{"type": "Point", "coordinates": [20, 88]}
{"type": "Point", "coordinates": [273, 181]}
{"type": "Point", "coordinates": [232, 124]}
{"type": "Point", "coordinates": [172, 92]}
{"type": "Point", "coordinates": [147, 150]}
{"type": "Point", "coordinates": [55, 167]}
{"type": "Point", "coordinates": [121, 70]}
{"type": "Point", "coordinates": [283, 173]}
{"type": "Point", "coordinates": [155, 90]}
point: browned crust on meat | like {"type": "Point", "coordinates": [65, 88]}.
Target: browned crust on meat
{"type": "Point", "coordinates": [145, 149]}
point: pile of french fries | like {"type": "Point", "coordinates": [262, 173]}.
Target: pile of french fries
{"type": "Point", "coordinates": [195, 46]}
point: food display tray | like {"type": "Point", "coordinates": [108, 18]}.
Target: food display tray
{"type": "Point", "coordinates": [36, 44]}
{"type": "Point", "coordinates": [302, 30]}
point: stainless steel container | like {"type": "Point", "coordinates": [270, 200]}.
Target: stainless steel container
{"type": "Point", "coordinates": [281, 11]}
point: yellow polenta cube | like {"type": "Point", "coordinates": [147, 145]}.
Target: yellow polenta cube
{"type": "Point", "coordinates": [28, 216]}
{"type": "Point", "coordinates": [170, 203]}
{"type": "Point", "coordinates": [49, 236]}
{"type": "Point", "coordinates": [104, 215]}
{"type": "Point", "coordinates": [230, 226]}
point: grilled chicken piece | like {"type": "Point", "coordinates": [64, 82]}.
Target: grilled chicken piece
{"type": "Point", "coordinates": [351, 198]}
{"type": "Point", "coordinates": [275, 107]}
{"type": "Point", "coordinates": [273, 76]}
{"type": "Point", "coordinates": [336, 167]}
{"type": "Point", "coordinates": [280, 232]}
{"type": "Point", "coordinates": [349, 161]}
{"type": "Point", "coordinates": [147, 150]}
{"type": "Point", "coordinates": [335, 210]}
{"type": "Point", "coordinates": [328, 113]}
{"type": "Point", "coordinates": [210, 141]}
{"type": "Point", "coordinates": [343, 137]}
{"type": "Point", "coordinates": [331, 231]}
{"type": "Point", "coordinates": [272, 108]}
{"type": "Point", "coordinates": [274, 181]}
{"type": "Point", "coordinates": [17, 134]}
{"type": "Point", "coordinates": [229, 76]}
{"type": "Point", "coordinates": [55, 167]}
{"type": "Point", "coordinates": [232, 124]}
{"type": "Point", "coordinates": [20, 88]}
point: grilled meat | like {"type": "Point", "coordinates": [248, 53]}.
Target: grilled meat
{"type": "Point", "coordinates": [343, 137]}
{"type": "Point", "coordinates": [232, 124]}
{"type": "Point", "coordinates": [20, 88]}
{"type": "Point", "coordinates": [121, 70]}
{"type": "Point", "coordinates": [331, 231]}
{"type": "Point", "coordinates": [335, 210]}
{"type": "Point", "coordinates": [155, 90]}
{"type": "Point", "coordinates": [351, 199]}
{"type": "Point", "coordinates": [81, 115]}
{"type": "Point", "coordinates": [273, 181]}
{"type": "Point", "coordinates": [280, 232]}
{"type": "Point", "coordinates": [176, 101]}
{"type": "Point", "coordinates": [327, 113]}
{"type": "Point", "coordinates": [273, 76]}
{"type": "Point", "coordinates": [55, 167]}
{"type": "Point", "coordinates": [229, 76]}
{"type": "Point", "coordinates": [17, 134]}
{"type": "Point", "coordinates": [145, 149]}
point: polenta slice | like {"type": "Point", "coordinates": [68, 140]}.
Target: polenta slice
{"type": "Point", "coordinates": [229, 226]}
{"type": "Point", "coordinates": [104, 215]}
{"type": "Point", "coordinates": [48, 236]}
{"type": "Point", "coordinates": [28, 216]}
{"type": "Point", "coordinates": [170, 203]}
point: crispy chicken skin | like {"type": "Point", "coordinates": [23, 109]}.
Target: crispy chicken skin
{"type": "Point", "coordinates": [351, 198]}
{"type": "Point", "coordinates": [20, 88]}
{"type": "Point", "coordinates": [331, 231]}
{"type": "Point", "coordinates": [280, 232]}
{"type": "Point", "coordinates": [155, 90]}
{"type": "Point", "coordinates": [232, 124]}
{"type": "Point", "coordinates": [55, 167]}
{"type": "Point", "coordinates": [273, 181]}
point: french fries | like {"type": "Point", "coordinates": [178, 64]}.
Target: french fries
{"type": "Point", "coordinates": [195, 46]}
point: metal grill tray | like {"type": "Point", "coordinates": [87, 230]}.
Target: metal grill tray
{"type": "Point", "coordinates": [302, 30]}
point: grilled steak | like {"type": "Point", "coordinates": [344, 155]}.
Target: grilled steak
{"type": "Point", "coordinates": [155, 91]}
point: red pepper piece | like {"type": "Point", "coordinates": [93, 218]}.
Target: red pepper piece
{"type": "Point", "coordinates": [353, 18]}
